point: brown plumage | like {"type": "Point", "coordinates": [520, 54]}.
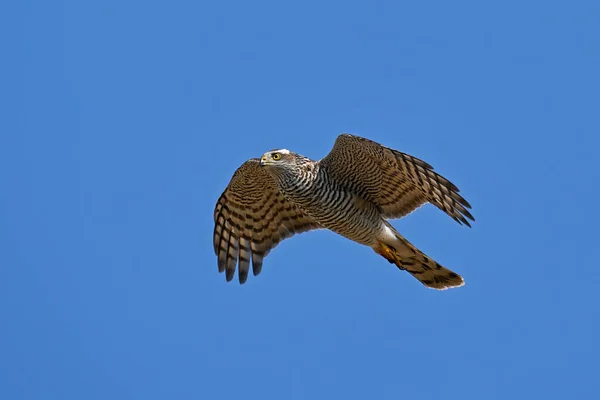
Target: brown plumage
{"type": "Point", "coordinates": [352, 191]}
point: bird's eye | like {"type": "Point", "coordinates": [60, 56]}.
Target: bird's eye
{"type": "Point", "coordinates": [276, 156]}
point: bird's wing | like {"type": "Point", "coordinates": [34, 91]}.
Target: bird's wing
{"type": "Point", "coordinates": [251, 218]}
{"type": "Point", "coordinates": [395, 182]}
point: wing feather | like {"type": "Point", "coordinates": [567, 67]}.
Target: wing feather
{"type": "Point", "coordinates": [251, 218]}
{"type": "Point", "coordinates": [396, 182]}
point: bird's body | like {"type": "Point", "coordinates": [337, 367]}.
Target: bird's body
{"type": "Point", "coordinates": [333, 206]}
{"type": "Point", "coordinates": [352, 191]}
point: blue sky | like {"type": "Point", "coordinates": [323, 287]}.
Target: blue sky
{"type": "Point", "coordinates": [123, 121]}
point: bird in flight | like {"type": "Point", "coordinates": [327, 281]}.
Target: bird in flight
{"type": "Point", "coordinates": [352, 191]}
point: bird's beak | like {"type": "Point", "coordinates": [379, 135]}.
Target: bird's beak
{"type": "Point", "coordinates": [263, 161]}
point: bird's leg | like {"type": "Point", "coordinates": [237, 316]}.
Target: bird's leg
{"type": "Point", "coordinates": [389, 253]}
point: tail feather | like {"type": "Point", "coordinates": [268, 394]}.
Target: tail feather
{"type": "Point", "coordinates": [407, 257]}
{"type": "Point", "coordinates": [430, 273]}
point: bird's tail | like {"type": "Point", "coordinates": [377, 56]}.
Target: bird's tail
{"type": "Point", "coordinates": [407, 257]}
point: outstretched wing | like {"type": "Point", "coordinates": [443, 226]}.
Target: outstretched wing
{"type": "Point", "coordinates": [251, 218]}
{"type": "Point", "coordinates": [396, 182]}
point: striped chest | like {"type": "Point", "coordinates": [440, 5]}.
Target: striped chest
{"type": "Point", "coordinates": [333, 206]}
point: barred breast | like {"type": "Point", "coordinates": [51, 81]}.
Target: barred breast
{"type": "Point", "coordinates": [334, 207]}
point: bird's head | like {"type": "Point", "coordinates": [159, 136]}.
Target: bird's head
{"type": "Point", "coordinates": [277, 159]}
{"type": "Point", "coordinates": [284, 164]}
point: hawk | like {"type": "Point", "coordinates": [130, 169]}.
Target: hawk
{"type": "Point", "coordinates": [353, 191]}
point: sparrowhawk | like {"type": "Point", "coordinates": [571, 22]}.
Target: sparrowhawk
{"type": "Point", "coordinates": [352, 191]}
